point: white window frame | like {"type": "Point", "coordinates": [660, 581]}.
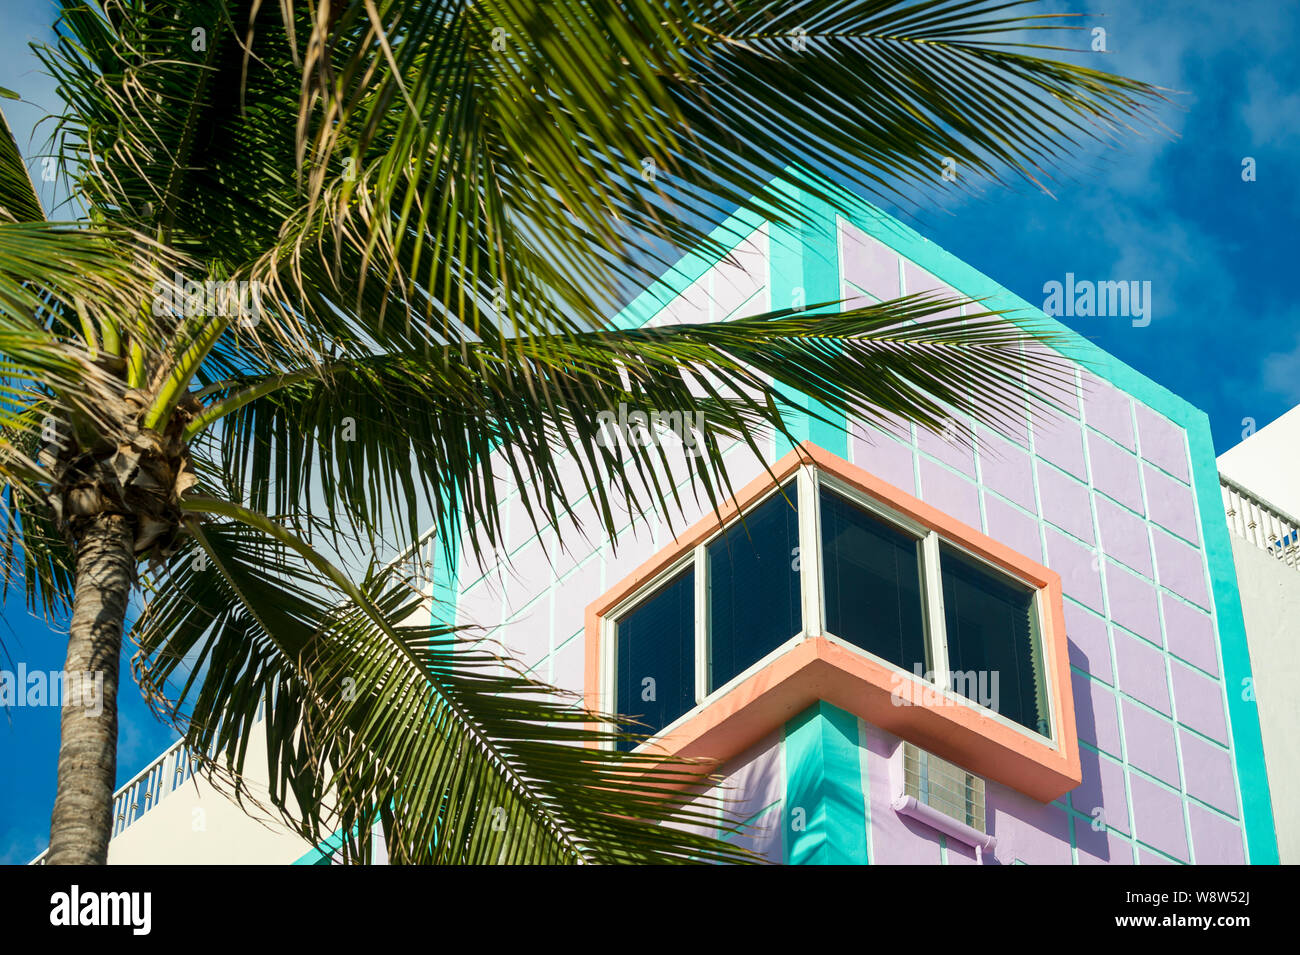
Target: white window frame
{"type": "Point", "coordinates": [696, 558]}
{"type": "Point", "coordinates": [936, 639]}
{"type": "Point", "coordinates": [808, 482]}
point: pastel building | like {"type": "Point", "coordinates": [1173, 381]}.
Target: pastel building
{"type": "Point", "coordinates": [1260, 499]}
{"type": "Point", "coordinates": [1020, 643]}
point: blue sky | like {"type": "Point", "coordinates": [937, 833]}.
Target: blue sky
{"type": "Point", "coordinates": [1174, 211]}
{"type": "Point", "coordinates": [29, 736]}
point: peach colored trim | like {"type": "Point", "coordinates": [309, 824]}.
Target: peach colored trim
{"type": "Point", "coordinates": [818, 668]}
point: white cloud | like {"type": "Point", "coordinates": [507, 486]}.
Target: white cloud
{"type": "Point", "coordinates": [1268, 111]}
{"type": "Point", "coordinates": [19, 849]}
{"type": "Point", "coordinates": [1280, 370]}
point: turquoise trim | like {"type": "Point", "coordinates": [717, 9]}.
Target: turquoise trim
{"type": "Point", "coordinates": [1247, 741]}
{"type": "Point", "coordinates": [787, 290]}
{"type": "Point", "coordinates": [805, 268]}
{"type": "Point", "coordinates": [321, 854]}
{"type": "Point", "coordinates": [1248, 749]}
{"type": "Point", "coordinates": [825, 808]}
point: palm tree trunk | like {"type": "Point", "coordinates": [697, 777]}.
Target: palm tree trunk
{"type": "Point", "coordinates": [82, 821]}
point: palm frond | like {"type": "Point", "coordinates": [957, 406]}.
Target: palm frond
{"type": "Point", "coordinates": [475, 171]}
{"type": "Point", "coordinates": [372, 717]}
{"type": "Point", "coordinates": [457, 149]}
{"type": "Point", "coordinates": [19, 201]}
{"type": "Point", "coordinates": [509, 414]}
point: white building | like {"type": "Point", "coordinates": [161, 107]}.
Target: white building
{"type": "Point", "coordinates": [1261, 496]}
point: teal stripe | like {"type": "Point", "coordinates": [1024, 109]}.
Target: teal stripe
{"type": "Point", "coordinates": [805, 269]}
{"type": "Point", "coordinates": [321, 854]}
{"type": "Point", "coordinates": [445, 588]}
{"type": "Point", "coordinates": [825, 815]}
{"type": "Point", "coordinates": [1247, 742]}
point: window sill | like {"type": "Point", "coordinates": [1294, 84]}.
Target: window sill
{"type": "Point", "coordinates": [816, 669]}
{"type": "Point", "coordinates": [967, 835]}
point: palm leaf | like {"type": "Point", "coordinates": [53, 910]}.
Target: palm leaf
{"type": "Point", "coordinates": [447, 430]}
{"type": "Point", "coordinates": [19, 201]}
{"type": "Point", "coordinates": [500, 144]}
{"type": "Point", "coordinates": [369, 719]}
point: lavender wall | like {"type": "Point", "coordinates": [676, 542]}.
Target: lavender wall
{"type": "Point", "coordinates": [1094, 484]}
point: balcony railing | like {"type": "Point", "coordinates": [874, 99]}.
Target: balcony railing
{"type": "Point", "coordinates": [1265, 525]}
{"type": "Point", "coordinates": [166, 774]}
{"type": "Point", "coordinates": [150, 786]}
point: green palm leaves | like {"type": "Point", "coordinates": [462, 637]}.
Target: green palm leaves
{"type": "Point", "coordinates": [441, 205]}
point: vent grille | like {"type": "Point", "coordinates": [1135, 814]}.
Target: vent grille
{"type": "Point", "coordinates": [943, 786]}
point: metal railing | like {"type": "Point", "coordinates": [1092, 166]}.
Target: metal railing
{"type": "Point", "coordinates": [146, 789]}
{"type": "Point", "coordinates": [166, 774]}
{"type": "Point", "coordinates": [1265, 525]}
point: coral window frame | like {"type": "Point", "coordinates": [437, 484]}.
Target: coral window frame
{"type": "Point", "coordinates": [815, 665]}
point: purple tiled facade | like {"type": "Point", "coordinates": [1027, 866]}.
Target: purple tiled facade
{"type": "Point", "coordinates": [1093, 483]}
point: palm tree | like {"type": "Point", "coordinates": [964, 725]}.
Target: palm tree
{"type": "Point", "coordinates": [434, 205]}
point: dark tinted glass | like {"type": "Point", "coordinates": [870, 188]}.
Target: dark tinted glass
{"type": "Point", "coordinates": [993, 646]}
{"type": "Point", "coordinates": [754, 602]}
{"type": "Point", "coordinates": [656, 657]}
{"type": "Point", "coordinates": [872, 583]}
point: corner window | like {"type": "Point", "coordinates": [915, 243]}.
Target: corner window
{"type": "Point", "coordinates": [871, 583]}
{"type": "Point", "coordinates": [753, 586]}
{"type": "Point", "coordinates": [656, 655]}
{"type": "Point", "coordinates": [819, 558]}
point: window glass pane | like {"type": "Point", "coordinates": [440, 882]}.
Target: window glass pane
{"type": "Point", "coordinates": [656, 656]}
{"type": "Point", "coordinates": [872, 583]}
{"type": "Point", "coordinates": [993, 647]}
{"type": "Point", "coordinates": [754, 604]}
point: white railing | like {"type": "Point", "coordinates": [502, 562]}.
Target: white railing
{"type": "Point", "coordinates": [166, 774]}
{"type": "Point", "coordinates": [147, 788]}
{"type": "Point", "coordinates": [1265, 525]}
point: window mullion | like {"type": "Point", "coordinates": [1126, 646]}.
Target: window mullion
{"type": "Point", "coordinates": [810, 576]}
{"type": "Point", "coordinates": [1046, 690]}
{"type": "Point", "coordinates": [609, 673]}
{"type": "Point", "coordinates": [936, 630]}
{"type": "Point", "coordinates": [701, 623]}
